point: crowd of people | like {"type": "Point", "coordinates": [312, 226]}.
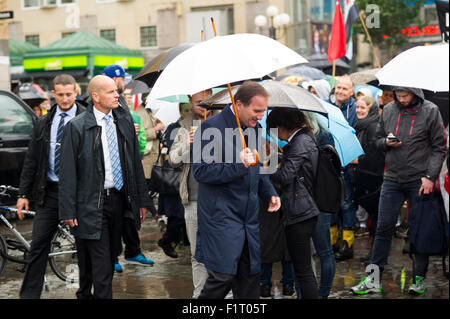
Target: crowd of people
{"type": "Point", "coordinates": [90, 164]}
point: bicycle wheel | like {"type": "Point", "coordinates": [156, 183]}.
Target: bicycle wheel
{"type": "Point", "coordinates": [3, 251]}
{"type": "Point", "coordinates": [63, 255]}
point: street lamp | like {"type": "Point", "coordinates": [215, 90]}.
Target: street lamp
{"type": "Point", "coordinates": [276, 20]}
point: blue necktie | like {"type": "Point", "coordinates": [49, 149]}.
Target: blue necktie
{"type": "Point", "coordinates": [58, 143]}
{"type": "Point", "coordinates": [113, 153]}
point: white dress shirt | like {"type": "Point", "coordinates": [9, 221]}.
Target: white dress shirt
{"type": "Point", "coordinates": [109, 182]}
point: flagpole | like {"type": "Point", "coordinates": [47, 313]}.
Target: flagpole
{"type": "Point", "coordinates": [334, 73]}
{"type": "Point", "coordinates": [377, 63]}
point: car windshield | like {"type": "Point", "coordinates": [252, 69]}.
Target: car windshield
{"type": "Point", "coordinates": [14, 119]}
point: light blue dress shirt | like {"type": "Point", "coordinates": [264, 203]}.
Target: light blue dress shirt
{"type": "Point", "coordinates": [53, 132]}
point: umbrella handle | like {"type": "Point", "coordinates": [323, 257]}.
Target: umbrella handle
{"type": "Point", "coordinates": [244, 145]}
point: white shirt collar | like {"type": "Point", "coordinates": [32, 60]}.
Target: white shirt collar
{"type": "Point", "coordinates": [100, 115]}
{"type": "Point", "coordinates": [72, 112]}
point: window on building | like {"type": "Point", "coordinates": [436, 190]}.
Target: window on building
{"type": "Point", "coordinates": [30, 3]}
{"type": "Point", "coordinates": [33, 39]}
{"type": "Point", "coordinates": [39, 3]}
{"type": "Point", "coordinates": [109, 34]}
{"type": "Point", "coordinates": [65, 34]}
{"type": "Point", "coordinates": [148, 36]}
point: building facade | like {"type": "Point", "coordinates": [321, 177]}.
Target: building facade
{"type": "Point", "coordinates": [147, 25]}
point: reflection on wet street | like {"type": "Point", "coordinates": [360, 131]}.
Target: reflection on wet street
{"type": "Point", "coordinates": [172, 278]}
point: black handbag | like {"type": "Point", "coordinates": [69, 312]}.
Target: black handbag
{"type": "Point", "coordinates": [165, 179]}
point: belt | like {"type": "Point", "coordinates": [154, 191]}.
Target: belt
{"type": "Point", "coordinates": [111, 191]}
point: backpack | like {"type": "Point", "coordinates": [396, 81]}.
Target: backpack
{"type": "Point", "coordinates": [328, 189]}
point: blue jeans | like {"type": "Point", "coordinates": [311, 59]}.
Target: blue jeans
{"type": "Point", "coordinates": [348, 208]}
{"type": "Point", "coordinates": [392, 198]}
{"type": "Point", "coordinates": [322, 244]}
{"type": "Point", "coordinates": [288, 276]}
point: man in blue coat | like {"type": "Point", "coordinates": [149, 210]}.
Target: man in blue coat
{"type": "Point", "coordinates": [229, 186]}
{"type": "Point", "coordinates": [343, 99]}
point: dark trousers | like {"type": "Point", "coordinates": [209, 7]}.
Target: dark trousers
{"type": "Point", "coordinates": [298, 238]}
{"type": "Point", "coordinates": [175, 231]}
{"type": "Point", "coordinates": [131, 238]}
{"type": "Point", "coordinates": [391, 200]}
{"type": "Point", "coordinates": [243, 284]}
{"type": "Point", "coordinates": [45, 223]}
{"type": "Point", "coordinates": [96, 258]}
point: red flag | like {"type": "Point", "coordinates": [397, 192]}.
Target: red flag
{"type": "Point", "coordinates": [338, 40]}
{"type": "Point", "coordinates": [136, 102]}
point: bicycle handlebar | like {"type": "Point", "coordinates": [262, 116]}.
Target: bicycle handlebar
{"type": "Point", "coordinates": [14, 210]}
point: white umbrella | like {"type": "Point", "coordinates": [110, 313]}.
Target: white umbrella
{"type": "Point", "coordinates": [223, 60]}
{"type": "Point", "coordinates": [424, 67]}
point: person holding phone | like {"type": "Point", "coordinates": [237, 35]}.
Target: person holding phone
{"type": "Point", "coordinates": [413, 162]}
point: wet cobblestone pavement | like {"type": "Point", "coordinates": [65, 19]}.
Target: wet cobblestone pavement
{"type": "Point", "coordinates": [172, 278]}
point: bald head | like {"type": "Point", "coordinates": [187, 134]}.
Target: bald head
{"type": "Point", "coordinates": [97, 82]}
{"type": "Point", "coordinates": [344, 90]}
{"type": "Point", "coordinates": [104, 94]}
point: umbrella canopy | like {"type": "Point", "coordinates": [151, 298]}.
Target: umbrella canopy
{"type": "Point", "coordinates": [345, 141]}
{"type": "Point", "coordinates": [222, 60]}
{"type": "Point", "coordinates": [32, 94]}
{"type": "Point", "coordinates": [137, 87]}
{"type": "Point", "coordinates": [152, 70]}
{"type": "Point", "coordinates": [281, 95]}
{"type": "Point", "coordinates": [184, 98]}
{"type": "Point", "coordinates": [364, 77]}
{"type": "Point", "coordinates": [300, 73]}
{"type": "Point", "coordinates": [320, 61]}
{"type": "Point", "coordinates": [424, 67]}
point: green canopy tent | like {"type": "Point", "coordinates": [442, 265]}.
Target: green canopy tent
{"type": "Point", "coordinates": [81, 51]}
{"type": "Point", "coordinates": [17, 50]}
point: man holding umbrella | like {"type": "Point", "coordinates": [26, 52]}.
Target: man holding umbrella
{"type": "Point", "coordinates": [228, 229]}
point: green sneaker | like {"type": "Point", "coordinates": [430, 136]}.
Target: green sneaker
{"type": "Point", "coordinates": [418, 287]}
{"type": "Point", "coordinates": [365, 286]}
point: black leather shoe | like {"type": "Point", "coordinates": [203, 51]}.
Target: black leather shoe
{"type": "Point", "coordinates": [168, 249]}
{"type": "Point", "coordinates": [264, 291]}
{"type": "Point", "coordinates": [345, 252]}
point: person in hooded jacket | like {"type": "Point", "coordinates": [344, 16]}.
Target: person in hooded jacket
{"type": "Point", "coordinates": [370, 165]}
{"type": "Point", "coordinates": [411, 132]}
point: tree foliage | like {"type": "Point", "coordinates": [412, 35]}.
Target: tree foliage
{"type": "Point", "coordinates": [394, 15]}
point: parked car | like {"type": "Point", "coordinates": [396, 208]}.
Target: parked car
{"type": "Point", "coordinates": [17, 121]}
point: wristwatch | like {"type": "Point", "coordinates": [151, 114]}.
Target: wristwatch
{"type": "Point", "coordinates": [429, 177]}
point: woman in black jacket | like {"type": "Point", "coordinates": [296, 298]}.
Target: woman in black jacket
{"type": "Point", "coordinates": [297, 169]}
{"type": "Point", "coordinates": [370, 165]}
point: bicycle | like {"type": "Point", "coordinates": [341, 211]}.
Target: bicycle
{"type": "Point", "coordinates": [62, 254]}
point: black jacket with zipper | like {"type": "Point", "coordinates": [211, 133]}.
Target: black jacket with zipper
{"type": "Point", "coordinates": [420, 128]}
{"type": "Point", "coordinates": [82, 172]}
{"type": "Point", "coordinates": [300, 157]}
{"type": "Point", "coordinates": [35, 167]}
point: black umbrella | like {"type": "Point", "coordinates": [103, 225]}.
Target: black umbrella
{"type": "Point", "coordinates": [152, 70]}
{"type": "Point", "coordinates": [320, 61]}
{"type": "Point", "coordinates": [32, 94]}
{"type": "Point", "coordinates": [137, 87]}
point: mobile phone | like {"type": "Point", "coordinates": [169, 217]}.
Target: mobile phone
{"type": "Point", "coordinates": [393, 138]}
